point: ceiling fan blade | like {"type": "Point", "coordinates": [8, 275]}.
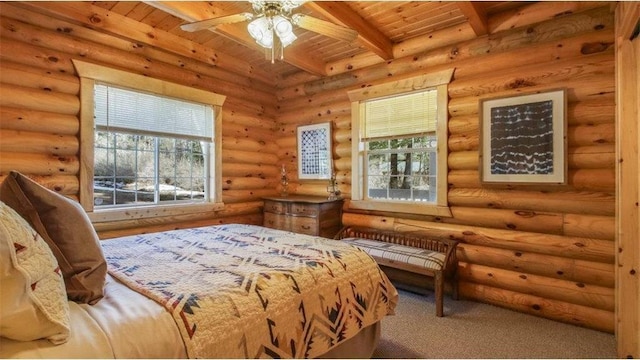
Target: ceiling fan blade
{"type": "Point", "coordinates": [206, 24]}
{"type": "Point", "coordinates": [325, 27]}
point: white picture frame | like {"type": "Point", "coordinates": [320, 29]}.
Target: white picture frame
{"type": "Point", "coordinates": [315, 153]}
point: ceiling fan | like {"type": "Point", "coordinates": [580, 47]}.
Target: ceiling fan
{"type": "Point", "coordinates": [272, 24]}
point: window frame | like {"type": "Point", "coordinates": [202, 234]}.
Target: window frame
{"type": "Point", "coordinates": [90, 74]}
{"type": "Point", "coordinates": [438, 80]}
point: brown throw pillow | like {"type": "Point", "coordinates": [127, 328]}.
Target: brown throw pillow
{"type": "Point", "coordinates": [66, 228]}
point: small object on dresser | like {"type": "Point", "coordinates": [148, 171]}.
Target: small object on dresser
{"type": "Point", "coordinates": [284, 182]}
{"type": "Point", "coordinates": [332, 189]}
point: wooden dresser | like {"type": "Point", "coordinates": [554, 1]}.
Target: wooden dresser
{"type": "Point", "coordinates": [312, 215]}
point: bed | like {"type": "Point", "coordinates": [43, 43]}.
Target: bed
{"type": "Point", "coordinates": [226, 291]}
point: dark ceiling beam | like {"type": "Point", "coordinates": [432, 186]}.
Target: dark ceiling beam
{"type": "Point", "coordinates": [372, 38]}
{"type": "Point", "coordinates": [475, 15]}
{"type": "Point", "coordinates": [195, 11]}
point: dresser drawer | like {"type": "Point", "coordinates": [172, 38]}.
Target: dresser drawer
{"type": "Point", "coordinates": [303, 214]}
{"type": "Point", "coordinates": [275, 207]}
{"type": "Point", "coordinates": [302, 209]}
{"type": "Point", "coordinates": [304, 225]}
{"type": "Point", "coordinates": [276, 221]}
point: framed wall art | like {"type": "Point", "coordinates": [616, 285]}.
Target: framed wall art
{"type": "Point", "coordinates": [315, 160]}
{"type": "Point", "coordinates": [523, 139]}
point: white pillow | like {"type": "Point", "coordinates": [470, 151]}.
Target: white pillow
{"type": "Point", "coordinates": [33, 300]}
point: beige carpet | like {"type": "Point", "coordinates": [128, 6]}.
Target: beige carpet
{"type": "Point", "coordinates": [474, 330]}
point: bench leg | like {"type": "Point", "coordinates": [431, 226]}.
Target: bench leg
{"type": "Point", "coordinates": [439, 290]}
{"type": "Point", "coordinates": [454, 285]}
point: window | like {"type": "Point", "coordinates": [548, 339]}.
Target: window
{"type": "Point", "coordinates": [145, 143]}
{"type": "Point", "coordinates": [149, 149]}
{"type": "Point", "coordinates": [399, 145]}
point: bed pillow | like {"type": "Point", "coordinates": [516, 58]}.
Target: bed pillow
{"type": "Point", "coordinates": [33, 301]}
{"type": "Point", "coordinates": [66, 228]}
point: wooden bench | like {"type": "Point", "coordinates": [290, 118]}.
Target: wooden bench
{"type": "Point", "coordinates": [410, 252]}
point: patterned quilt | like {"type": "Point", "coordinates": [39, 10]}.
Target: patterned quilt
{"type": "Point", "coordinates": [243, 291]}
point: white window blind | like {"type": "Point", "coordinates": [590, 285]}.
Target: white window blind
{"type": "Point", "coordinates": [124, 110]}
{"type": "Point", "coordinates": [402, 115]}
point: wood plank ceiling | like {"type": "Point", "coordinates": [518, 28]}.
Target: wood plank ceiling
{"type": "Point", "coordinates": [380, 24]}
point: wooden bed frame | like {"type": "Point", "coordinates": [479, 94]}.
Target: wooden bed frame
{"type": "Point", "coordinates": [445, 246]}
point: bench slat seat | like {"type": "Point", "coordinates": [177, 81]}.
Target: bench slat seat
{"type": "Point", "coordinates": [409, 252]}
{"type": "Point", "coordinates": [400, 253]}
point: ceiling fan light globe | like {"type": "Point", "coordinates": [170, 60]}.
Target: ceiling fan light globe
{"type": "Point", "coordinates": [260, 31]}
{"type": "Point", "coordinates": [282, 26]}
{"type": "Point", "coordinates": [258, 27]}
{"type": "Point", "coordinates": [266, 41]}
{"type": "Point", "coordinates": [287, 39]}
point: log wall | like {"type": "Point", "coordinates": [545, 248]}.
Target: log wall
{"type": "Point", "coordinates": [39, 107]}
{"type": "Point", "coordinates": [544, 250]}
